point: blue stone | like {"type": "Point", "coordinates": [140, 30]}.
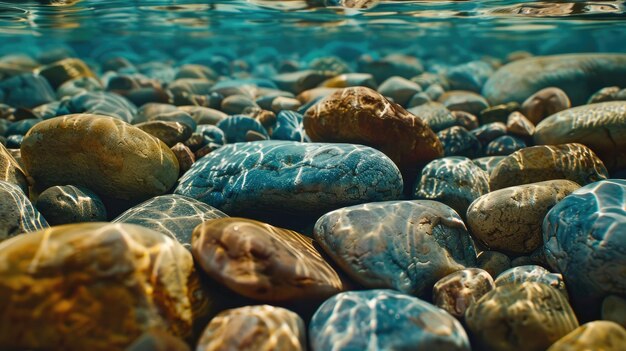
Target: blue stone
{"type": "Point", "coordinates": [289, 127]}
{"type": "Point", "coordinates": [22, 127]}
{"type": "Point", "coordinates": [26, 90]}
{"type": "Point", "coordinates": [290, 177]}
{"type": "Point", "coordinates": [99, 103]}
{"type": "Point", "coordinates": [212, 133]}
{"type": "Point", "coordinates": [488, 132]}
{"type": "Point", "coordinates": [470, 76]}
{"type": "Point", "coordinates": [458, 141]}
{"type": "Point", "coordinates": [504, 146]}
{"type": "Point", "coordinates": [384, 320]}
{"type": "Point", "coordinates": [236, 127]}
{"type": "Point", "coordinates": [584, 239]}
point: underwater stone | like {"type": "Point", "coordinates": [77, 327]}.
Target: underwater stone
{"type": "Point", "coordinates": [596, 335]}
{"type": "Point", "coordinates": [77, 86]}
{"type": "Point", "coordinates": [289, 127]}
{"type": "Point", "coordinates": [437, 116]}
{"type": "Point", "coordinates": [488, 132]}
{"type": "Point", "coordinates": [11, 171]}
{"type": "Point", "coordinates": [384, 320]}
{"type": "Point", "coordinates": [461, 100]}
{"type": "Point", "coordinates": [404, 245]}
{"type": "Point", "coordinates": [236, 127]}
{"type": "Point", "coordinates": [493, 262]}
{"type": "Point", "coordinates": [299, 81]}
{"type": "Point", "coordinates": [531, 273]}
{"type": "Point", "coordinates": [281, 103]}
{"type": "Point", "coordinates": [399, 89]}
{"type": "Point", "coordinates": [64, 70]}
{"type": "Point", "coordinates": [614, 309]}
{"type": "Point", "coordinates": [544, 103]}
{"type": "Point", "coordinates": [457, 141]}
{"type": "Point", "coordinates": [391, 65]}
{"type": "Point", "coordinates": [519, 125]}
{"type": "Point", "coordinates": [498, 113]}
{"type": "Point", "coordinates": [204, 115]}
{"type": "Point", "coordinates": [263, 262]}
{"type": "Point", "coordinates": [489, 163]}
{"type": "Point", "coordinates": [236, 104]}
{"type": "Point", "coordinates": [99, 103]}
{"type": "Point", "coordinates": [70, 204]}
{"type": "Point", "coordinates": [26, 90]}
{"type": "Point", "coordinates": [469, 76]}
{"type": "Point", "coordinates": [173, 215]}
{"type": "Point", "coordinates": [17, 214]}
{"type": "Point", "coordinates": [170, 133]}
{"type": "Point", "coordinates": [185, 157]}
{"type": "Point", "coordinates": [457, 291]}
{"type": "Point", "coordinates": [465, 120]}
{"type": "Point", "coordinates": [504, 145]}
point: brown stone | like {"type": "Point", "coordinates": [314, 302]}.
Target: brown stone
{"type": "Point", "coordinates": [362, 116]}
{"type": "Point", "coordinates": [457, 291]}
{"type": "Point", "coordinates": [95, 286]}
{"type": "Point", "coordinates": [185, 157]}
{"type": "Point", "coordinates": [518, 124]}
{"type": "Point", "coordinates": [263, 262]}
{"type": "Point", "coordinates": [596, 335]}
{"type": "Point", "coordinates": [169, 132]}
{"type": "Point", "coordinates": [544, 103]}
{"type": "Point", "coordinates": [574, 162]}
{"type": "Point", "coordinates": [64, 70]}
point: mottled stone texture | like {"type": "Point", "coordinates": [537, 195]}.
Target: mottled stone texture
{"type": "Point", "coordinates": [579, 75]}
{"type": "Point", "coordinates": [601, 127]}
{"type": "Point", "coordinates": [104, 154]}
{"type": "Point", "coordinates": [532, 273]}
{"type": "Point", "coordinates": [284, 177]}
{"type": "Point", "coordinates": [597, 335]}
{"type": "Point", "coordinates": [585, 240]}
{"type": "Point", "coordinates": [384, 320]}
{"type": "Point", "coordinates": [17, 214]}
{"type": "Point", "coordinates": [254, 328]}
{"type": "Point", "coordinates": [94, 286]}
{"type": "Point", "coordinates": [173, 215]}
{"type": "Point", "coordinates": [529, 316]}
{"type": "Point", "coordinates": [457, 291]}
{"type": "Point", "coordinates": [263, 262]}
{"type": "Point", "coordinates": [405, 245]}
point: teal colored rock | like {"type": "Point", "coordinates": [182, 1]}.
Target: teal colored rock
{"type": "Point", "coordinates": [235, 128]}
{"type": "Point", "coordinates": [99, 103]}
{"type": "Point", "coordinates": [26, 90]}
{"type": "Point", "coordinates": [384, 320]}
{"type": "Point", "coordinates": [469, 76]}
{"type": "Point", "coordinates": [437, 116]}
{"type": "Point", "coordinates": [17, 214]}
{"type": "Point", "coordinates": [404, 245]}
{"type": "Point", "coordinates": [289, 127]}
{"type": "Point", "coordinates": [458, 141]}
{"type": "Point", "coordinates": [285, 177]}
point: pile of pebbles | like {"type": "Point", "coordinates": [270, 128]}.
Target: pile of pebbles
{"type": "Point", "coordinates": [330, 203]}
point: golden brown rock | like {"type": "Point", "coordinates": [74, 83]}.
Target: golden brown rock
{"type": "Point", "coordinates": [263, 262]}
{"type": "Point", "coordinates": [530, 317]}
{"type": "Point", "coordinates": [544, 103]}
{"type": "Point", "coordinates": [95, 286]}
{"type": "Point", "coordinates": [67, 69]}
{"type": "Point", "coordinates": [519, 125]}
{"type": "Point", "coordinates": [457, 291]}
{"type": "Point", "coordinates": [593, 336]}
{"type": "Point", "coordinates": [254, 328]}
{"type": "Point", "coordinates": [360, 115]}
{"type": "Point", "coordinates": [104, 154]}
{"type": "Point", "coordinates": [11, 171]}
{"type": "Point", "coordinates": [574, 162]}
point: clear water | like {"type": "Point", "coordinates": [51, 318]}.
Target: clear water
{"type": "Point", "coordinates": [450, 30]}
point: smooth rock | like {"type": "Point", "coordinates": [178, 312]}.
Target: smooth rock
{"type": "Point", "coordinates": [531, 273]}
{"type": "Point", "coordinates": [26, 90]}
{"type": "Point", "coordinates": [204, 115]}
{"type": "Point", "coordinates": [614, 309]}
{"type": "Point", "coordinates": [297, 82]}
{"type": "Point", "coordinates": [457, 141]}
{"type": "Point", "coordinates": [466, 120]}
{"type": "Point", "coordinates": [184, 156]}
{"type": "Point", "coordinates": [237, 104]}
{"type": "Point", "coordinates": [391, 65]}
{"type": "Point", "coordinates": [11, 171]}
{"type": "Point", "coordinates": [469, 76]}
{"type": "Point", "coordinates": [65, 70]}
{"type": "Point", "coordinates": [77, 86]}
{"type": "Point", "coordinates": [17, 214]}
{"type": "Point", "coordinates": [498, 113]}
{"type": "Point", "coordinates": [596, 335]}
{"type": "Point", "coordinates": [347, 80]}
{"type": "Point", "coordinates": [99, 103]}
{"type": "Point", "coordinates": [399, 89]}
{"type": "Point", "coordinates": [518, 124]}
{"type": "Point", "coordinates": [461, 100]}
{"type": "Point", "coordinates": [544, 103]}
{"type": "Point", "coordinates": [70, 204]}
{"type": "Point", "coordinates": [504, 145]}
{"type": "Point", "coordinates": [457, 291]}
{"type": "Point", "coordinates": [235, 128]}
{"type": "Point", "coordinates": [488, 132]}
{"type": "Point", "coordinates": [493, 262]}
{"type": "Point", "coordinates": [435, 114]}
{"type": "Point", "coordinates": [282, 103]}
{"type": "Point", "coordinates": [289, 127]}
{"type": "Point", "coordinates": [489, 163]}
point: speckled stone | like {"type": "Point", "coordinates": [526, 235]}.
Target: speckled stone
{"type": "Point", "coordinates": [493, 262]}
{"type": "Point", "coordinates": [544, 103]}
{"type": "Point", "coordinates": [263, 262]}
{"type": "Point", "coordinates": [465, 120]}
{"type": "Point", "coordinates": [399, 89]}
{"type": "Point", "coordinates": [614, 309]}
{"type": "Point", "coordinates": [585, 239]}
{"type": "Point", "coordinates": [488, 132]}
{"type": "Point", "coordinates": [510, 219]}
{"type": "Point", "coordinates": [363, 116]}
{"type": "Point", "coordinates": [489, 163]}
{"type": "Point", "coordinates": [531, 273]}
{"type": "Point", "coordinates": [17, 214]}
{"type": "Point", "coordinates": [437, 116]}
{"type": "Point", "coordinates": [70, 204]}
{"type": "Point", "coordinates": [578, 75]}
{"type": "Point", "coordinates": [99, 103]}
{"type": "Point", "coordinates": [461, 100]}
{"type": "Point", "coordinates": [596, 335]}
{"type": "Point", "coordinates": [574, 162]}
{"type": "Point", "coordinates": [173, 215]}
{"type": "Point", "coordinates": [254, 328]}
{"type": "Point", "coordinates": [26, 90]}
{"type": "Point", "coordinates": [11, 171]}
{"type": "Point", "coordinates": [170, 133]}
{"type": "Point", "coordinates": [455, 181]}
{"type": "Point", "coordinates": [95, 286]}
{"type": "Point", "coordinates": [457, 141]}
{"type": "Point", "coordinates": [529, 316]}
{"type": "Point", "coordinates": [384, 320]}
{"type": "Point", "coordinates": [290, 177]}
{"type": "Point", "coordinates": [236, 127]}
{"type": "Point", "coordinates": [504, 145]}
{"type": "Point", "coordinates": [457, 291]}
{"type": "Point", "coordinates": [289, 127]}
{"type": "Point", "coordinates": [601, 127]}
{"type": "Point", "coordinates": [405, 245]}
{"type": "Point", "coordinates": [103, 154]}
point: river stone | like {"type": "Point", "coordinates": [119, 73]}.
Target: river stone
{"type": "Point", "coordinates": [601, 127]}
{"type": "Point", "coordinates": [94, 286]}
{"type": "Point", "coordinates": [498, 113]}
{"type": "Point", "coordinates": [204, 115]}
{"type": "Point", "coordinates": [11, 171]}
{"type": "Point", "coordinates": [469, 76]}
{"type": "Point", "coordinates": [518, 124]}
{"type": "Point", "coordinates": [64, 70]}
{"type": "Point", "coordinates": [504, 145]}
{"type": "Point", "coordinates": [299, 81]}
{"type": "Point", "coordinates": [170, 133]}
{"type": "Point", "coordinates": [70, 204]}
{"type": "Point", "coordinates": [26, 90]}
{"type": "Point", "coordinates": [544, 103]}
{"type": "Point", "coordinates": [578, 75]}
{"type": "Point", "coordinates": [574, 162]}
{"type": "Point", "coordinates": [281, 103]}
{"type": "Point", "coordinates": [185, 157]}
{"type": "Point", "coordinates": [493, 262]}
{"type": "Point", "coordinates": [236, 127]}
{"type": "Point", "coordinates": [614, 309]}
{"type": "Point", "coordinates": [457, 141]}
{"type": "Point", "coordinates": [391, 65]}
{"type": "Point", "coordinates": [99, 103]}
{"type": "Point", "coordinates": [158, 340]}
{"type": "Point", "coordinates": [236, 104]}
{"type": "Point", "coordinates": [437, 116]}
{"type": "Point", "coordinates": [289, 127]}
{"type": "Point", "coordinates": [289, 177]}
{"type": "Point", "coordinates": [489, 163]}
{"type": "Point", "coordinates": [17, 214]}
{"type": "Point", "coordinates": [173, 215]}
{"type": "Point", "coordinates": [103, 154]}
{"type": "Point", "coordinates": [461, 100]}
{"type": "Point", "coordinates": [254, 328]}
{"type": "Point", "coordinates": [532, 273]}
{"type": "Point", "coordinates": [363, 116]}
{"type": "Point", "coordinates": [529, 316]}
{"type": "Point", "coordinates": [488, 132]}
{"type": "Point", "coordinates": [585, 239]}
{"type": "Point", "coordinates": [14, 141]}
{"type": "Point", "coordinates": [404, 245]}
{"type": "Point", "coordinates": [465, 120]}
{"type": "Point", "coordinates": [607, 94]}
{"type": "Point", "coordinates": [455, 181]}
{"type": "Point", "coordinates": [399, 89]}
{"type": "Point", "coordinates": [263, 262]}
{"type": "Point", "coordinates": [457, 291]}
{"type": "Point", "coordinates": [77, 86]}
{"type": "Point", "coordinates": [384, 320]}
{"type": "Point", "coordinates": [596, 335]}
{"type": "Point", "coordinates": [510, 219]}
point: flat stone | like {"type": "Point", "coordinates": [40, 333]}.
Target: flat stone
{"type": "Point", "coordinates": [370, 320]}
{"type": "Point", "coordinates": [282, 103]}
{"type": "Point", "coordinates": [399, 89]}
{"type": "Point", "coordinates": [254, 328]}
{"type": "Point", "coordinates": [596, 335]}
{"type": "Point", "coordinates": [17, 214]}
{"type": "Point", "coordinates": [204, 115]}
{"type": "Point", "coordinates": [77, 86]}
{"type": "Point", "coordinates": [498, 113]}
{"type": "Point", "coordinates": [236, 104]}
{"type": "Point", "coordinates": [103, 154]}
{"type": "Point", "coordinates": [601, 127]}
{"type": "Point", "coordinates": [173, 215]}
{"type": "Point", "coordinates": [469, 76]}
{"type": "Point", "coordinates": [584, 239]}
{"type": "Point", "coordinates": [532, 273]}
{"type": "Point", "coordinates": [64, 70]}
{"type": "Point", "coordinates": [263, 262]}
{"type": "Point", "coordinates": [404, 245]}
{"type": "Point", "coordinates": [299, 81]}
{"type": "Point", "coordinates": [391, 65]}
{"type": "Point", "coordinates": [289, 177]}
{"type": "Point", "coordinates": [457, 291]}
{"type": "Point", "coordinates": [510, 219]}
{"type": "Point", "coordinates": [529, 316]}
{"type": "Point", "coordinates": [455, 181]}
{"type": "Point", "coordinates": [544, 103]}
{"type": "Point", "coordinates": [70, 204]}
{"type": "Point", "coordinates": [95, 286]}
{"type": "Point", "coordinates": [574, 162]}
